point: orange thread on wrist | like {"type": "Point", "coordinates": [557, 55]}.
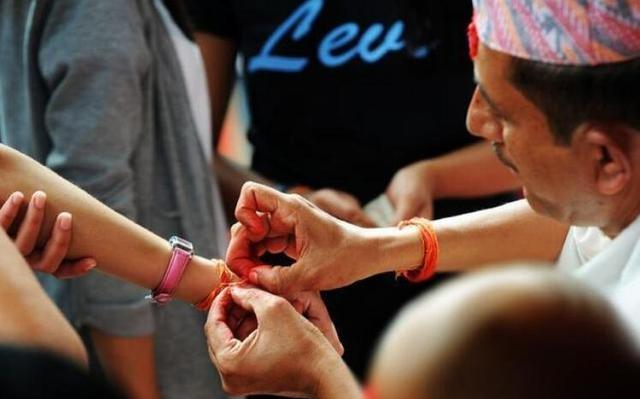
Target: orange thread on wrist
{"type": "Point", "coordinates": [225, 279]}
{"type": "Point", "coordinates": [430, 247]}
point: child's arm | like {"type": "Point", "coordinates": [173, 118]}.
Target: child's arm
{"type": "Point", "coordinates": [119, 246]}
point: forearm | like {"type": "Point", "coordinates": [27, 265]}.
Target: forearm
{"type": "Point", "coordinates": [120, 247]}
{"type": "Point", "coordinates": [219, 57]}
{"type": "Point", "coordinates": [28, 315]}
{"type": "Point", "coordinates": [508, 233]}
{"type": "Point", "coordinates": [469, 172]}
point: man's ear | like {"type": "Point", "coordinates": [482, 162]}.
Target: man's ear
{"type": "Point", "coordinates": [607, 155]}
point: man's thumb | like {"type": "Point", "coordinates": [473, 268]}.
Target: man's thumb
{"type": "Point", "coordinates": [277, 279]}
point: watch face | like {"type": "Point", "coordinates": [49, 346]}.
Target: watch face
{"type": "Point", "coordinates": [181, 243]}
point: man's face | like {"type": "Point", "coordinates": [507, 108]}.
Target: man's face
{"type": "Point", "coordinates": [522, 140]}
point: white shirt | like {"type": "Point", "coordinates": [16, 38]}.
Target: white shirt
{"type": "Point", "coordinates": [195, 80]}
{"type": "Point", "coordinates": [611, 266]}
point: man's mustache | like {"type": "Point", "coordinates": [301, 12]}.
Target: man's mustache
{"type": "Point", "coordinates": [498, 149]}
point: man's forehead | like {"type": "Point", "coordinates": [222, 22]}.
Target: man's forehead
{"type": "Point", "coordinates": [491, 72]}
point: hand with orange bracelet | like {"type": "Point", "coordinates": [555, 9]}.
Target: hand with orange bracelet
{"type": "Point", "coordinates": [329, 253]}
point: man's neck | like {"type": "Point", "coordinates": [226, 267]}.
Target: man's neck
{"type": "Point", "coordinates": [624, 213]}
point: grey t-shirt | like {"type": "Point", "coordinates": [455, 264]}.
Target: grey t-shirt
{"type": "Point", "coordinates": [93, 90]}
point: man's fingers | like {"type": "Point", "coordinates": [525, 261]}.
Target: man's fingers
{"type": "Point", "coordinates": [247, 326]}
{"type": "Point", "coordinates": [278, 279]}
{"type": "Point", "coordinates": [10, 209]}
{"type": "Point", "coordinates": [241, 256]}
{"type": "Point", "coordinates": [317, 313]}
{"type": "Point", "coordinates": [32, 224]}
{"type": "Point", "coordinates": [219, 335]}
{"type": "Point", "coordinates": [257, 301]}
{"type": "Point", "coordinates": [77, 268]}
{"type": "Point", "coordinates": [256, 198]}
{"type": "Point", "coordinates": [276, 245]}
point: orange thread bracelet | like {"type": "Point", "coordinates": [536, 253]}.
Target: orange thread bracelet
{"type": "Point", "coordinates": [225, 279]}
{"type": "Point", "coordinates": [431, 251]}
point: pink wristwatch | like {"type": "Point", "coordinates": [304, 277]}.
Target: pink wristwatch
{"type": "Point", "coordinates": [181, 254]}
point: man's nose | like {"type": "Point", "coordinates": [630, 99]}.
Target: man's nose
{"type": "Point", "coordinates": [480, 121]}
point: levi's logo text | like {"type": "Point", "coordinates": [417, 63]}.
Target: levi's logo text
{"type": "Point", "coordinates": [339, 46]}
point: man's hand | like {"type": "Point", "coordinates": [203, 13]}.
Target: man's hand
{"type": "Point", "coordinates": [286, 354]}
{"type": "Point", "coordinates": [412, 191]}
{"type": "Point", "coordinates": [329, 253]}
{"type": "Point", "coordinates": [50, 257]}
{"type": "Point", "coordinates": [342, 205]}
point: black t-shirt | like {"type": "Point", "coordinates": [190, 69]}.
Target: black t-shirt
{"type": "Point", "coordinates": [32, 374]}
{"type": "Point", "coordinates": [336, 96]}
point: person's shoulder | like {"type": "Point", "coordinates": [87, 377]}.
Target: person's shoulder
{"type": "Point", "coordinates": [113, 30]}
{"type": "Point", "coordinates": [113, 18]}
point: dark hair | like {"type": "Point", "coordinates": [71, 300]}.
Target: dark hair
{"type": "Point", "coordinates": [571, 95]}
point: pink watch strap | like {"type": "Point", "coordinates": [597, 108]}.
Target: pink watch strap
{"type": "Point", "coordinates": [180, 258]}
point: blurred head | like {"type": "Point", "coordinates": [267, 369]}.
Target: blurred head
{"type": "Point", "coordinates": [515, 333]}
{"type": "Point", "coordinates": [558, 98]}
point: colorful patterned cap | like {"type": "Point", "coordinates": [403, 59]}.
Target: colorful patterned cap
{"type": "Point", "coordinates": [565, 32]}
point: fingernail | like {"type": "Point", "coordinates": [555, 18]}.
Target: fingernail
{"type": "Point", "coordinates": [39, 199]}
{"type": "Point", "coordinates": [65, 221]}
{"type": "Point", "coordinates": [91, 264]}
{"type": "Point", "coordinates": [17, 198]}
{"type": "Point", "coordinates": [253, 278]}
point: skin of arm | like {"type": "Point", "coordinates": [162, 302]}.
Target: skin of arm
{"type": "Point", "coordinates": [29, 317]}
{"type": "Point", "coordinates": [112, 240]}
{"type": "Point", "coordinates": [219, 56]}
{"type": "Point", "coordinates": [323, 245]}
{"type": "Point", "coordinates": [472, 171]}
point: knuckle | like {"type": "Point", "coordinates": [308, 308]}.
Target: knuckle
{"type": "Point", "coordinates": [277, 305]}
{"type": "Point", "coordinates": [249, 186]}
{"type": "Point", "coordinates": [297, 198]}
{"type": "Point", "coordinates": [235, 229]}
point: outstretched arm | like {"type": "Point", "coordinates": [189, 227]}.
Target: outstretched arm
{"type": "Point", "coordinates": [115, 242]}
{"type": "Point", "coordinates": [330, 253]}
